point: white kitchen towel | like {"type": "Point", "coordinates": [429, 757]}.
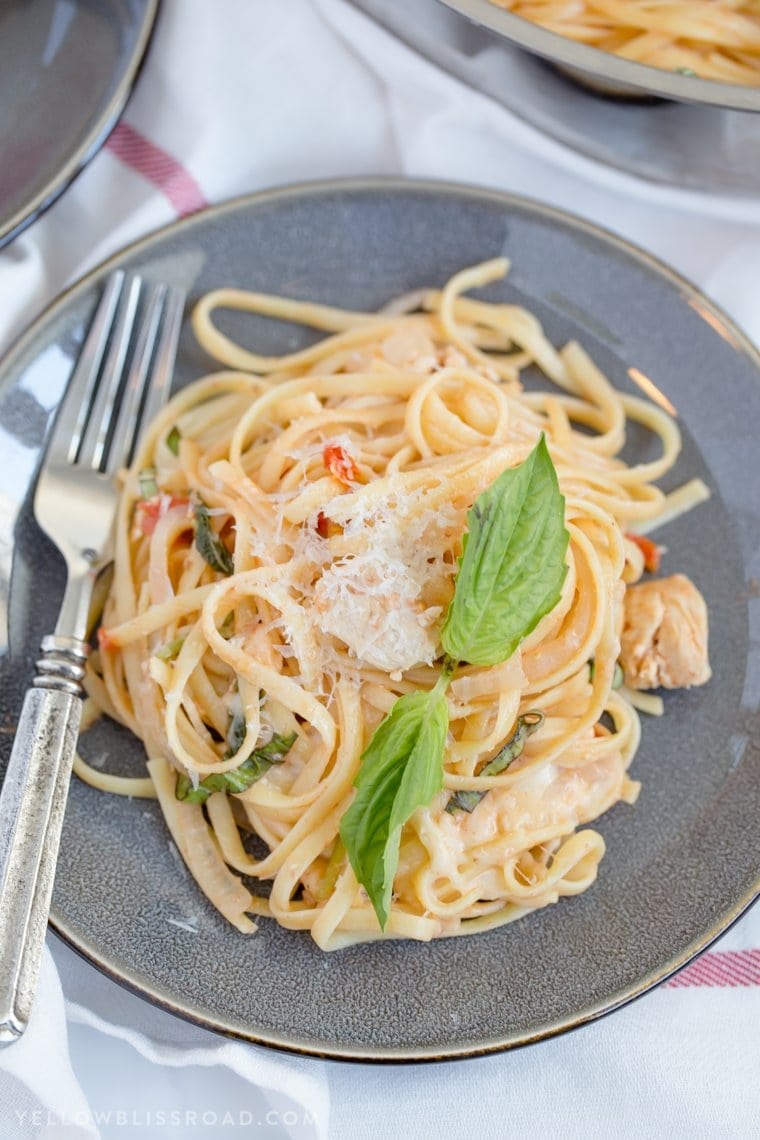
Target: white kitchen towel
{"type": "Point", "coordinates": [237, 96]}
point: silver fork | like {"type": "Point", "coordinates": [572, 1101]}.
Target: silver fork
{"type": "Point", "coordinates": [120, 382]}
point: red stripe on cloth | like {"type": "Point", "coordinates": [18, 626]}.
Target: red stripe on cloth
{"type": "Point", "coordinates": [159, 167]}
{"type": "Point", "coordinates": [726, 968]}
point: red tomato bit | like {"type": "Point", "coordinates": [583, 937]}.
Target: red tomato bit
{"type": "Point", "coordinates": [340, 464]}
{"type": "Point", "coordinates": [327, 527]}
{"type": "Point", "coordinates": [149, 511]}
{"type": "Point", "coordinates": [651, 551]}
{"type": "Point", "coordinates": [105, 641]}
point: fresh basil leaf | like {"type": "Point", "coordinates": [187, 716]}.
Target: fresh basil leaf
{"type": "Point", "coordinates": [333, 869]}
{"type": "Point", "coordinates": [183, 789]}
{"type": "Point", "coordinates": [170, 650]}
{"type": "Point", "coordinates": [227, 628]}
{"type": "Point", "coordinates": [276, 748]}
{"type": "Point", "coordinates": [172, 440]}
{"type": "Point", "coordinates": [209, 545]}
{"type": "Point", "coordinates": [512, 565]}
{"type": "Point", "coordinates": [401, 769]}
{"type": "Point", "coordinates": [237, 779]}
{"type": "Point", "coordinates": [464, 801]}
{"type": "Point", "coordinates": [146, 480]}
{"type": "Point", "coordinates": [235, 734]}
{"type": "Point", "coordinates": [251, 770]}
{"type": "Point", "coordinates": [526, 726]}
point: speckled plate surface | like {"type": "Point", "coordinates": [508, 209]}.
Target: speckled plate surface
{"type": "Point", "coordinates": [681, 865]}
{"type": "Point", "coordinates": [66, 71]}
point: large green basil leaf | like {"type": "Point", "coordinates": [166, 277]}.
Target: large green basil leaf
{"type": "Point", "coordinates": [512, 565]}
{"type": "Point", "coordinates": [401, 770]}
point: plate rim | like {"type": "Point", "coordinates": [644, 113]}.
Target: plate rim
{"type": "Point", "coordinates": [387, 1055]}
{"type": "Point", "coordinates": [370, 183]}
{"type": "Point", "coordinates": [13, 358]}
{"type": "Point", "coordinates": [644, 79]}
{"type": "Point", "coordinates": [102, 126]}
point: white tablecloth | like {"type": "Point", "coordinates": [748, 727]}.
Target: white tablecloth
{"type": "Point", "coordinates": [239, 95]}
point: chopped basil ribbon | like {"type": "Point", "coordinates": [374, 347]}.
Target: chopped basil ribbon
{"type": "Point", "coordinates": [172, 440]}
{"type": "Point", "coordinates": [235, 735]}
{"type": "Point", "coordinates": [227, 628]}
{"type": "Point", "coordinates": [401, 770]}
{"type": "Point", "coordinates": [512, 565]}
{"type": "Point", "coordinates": [332, 870]}
{"type": "Point", "coordinates": [527, 724]}
{"type": "Point", "coordinates": [147, 482]}
{"type": "Point", "coordinates": [209, 545]}
{"type": "Point", "coordinates": [170, 650]}
{"type": "Point", "coordinates": [510, 575]}
{"type": "Point", "coordinates": [240, 778]}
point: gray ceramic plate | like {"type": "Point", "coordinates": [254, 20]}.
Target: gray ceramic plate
{"type": "Point", "coordinates": [66, 71]}
{"type": "Point", "coordinates": [681, 865]}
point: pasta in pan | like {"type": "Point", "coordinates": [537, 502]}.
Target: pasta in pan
{"type": "Point", "coordinates": [294, 616]}
{"type": "Point", "coordinates": [711, 39]}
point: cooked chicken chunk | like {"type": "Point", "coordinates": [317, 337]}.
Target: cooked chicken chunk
{"type": "Point", "coordinates": [664, 638]}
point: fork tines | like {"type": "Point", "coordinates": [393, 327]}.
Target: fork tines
{"type": "Point", "coordinates": [106, 402]}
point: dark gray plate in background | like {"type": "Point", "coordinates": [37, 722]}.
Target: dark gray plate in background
{"type": "Point", "coordinates": [66, 71]}
{"type": "Point", "coordinates": [681, 865]}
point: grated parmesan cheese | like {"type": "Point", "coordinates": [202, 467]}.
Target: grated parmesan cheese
{"type": "Point", "coordinates": [371, 602]}
{"type": "Point", "coordinates": [378, 601]}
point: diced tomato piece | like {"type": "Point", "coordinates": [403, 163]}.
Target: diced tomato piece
{"type": "Point", "coordinates": [105, 641]}
{"type": "Point", "coordinates": [147, 515]}
{"type": "Point", "coordinates": [340, 464]}
{"type": "Point", "coordinates": [651, 551]}
{"type": "Point", "coordinates": [150, 510]}
{"type": "Point", "coordinates": [327, 527]}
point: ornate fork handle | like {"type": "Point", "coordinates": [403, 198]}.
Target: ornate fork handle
{"type": "Point", "coordinates": [31, 819]}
